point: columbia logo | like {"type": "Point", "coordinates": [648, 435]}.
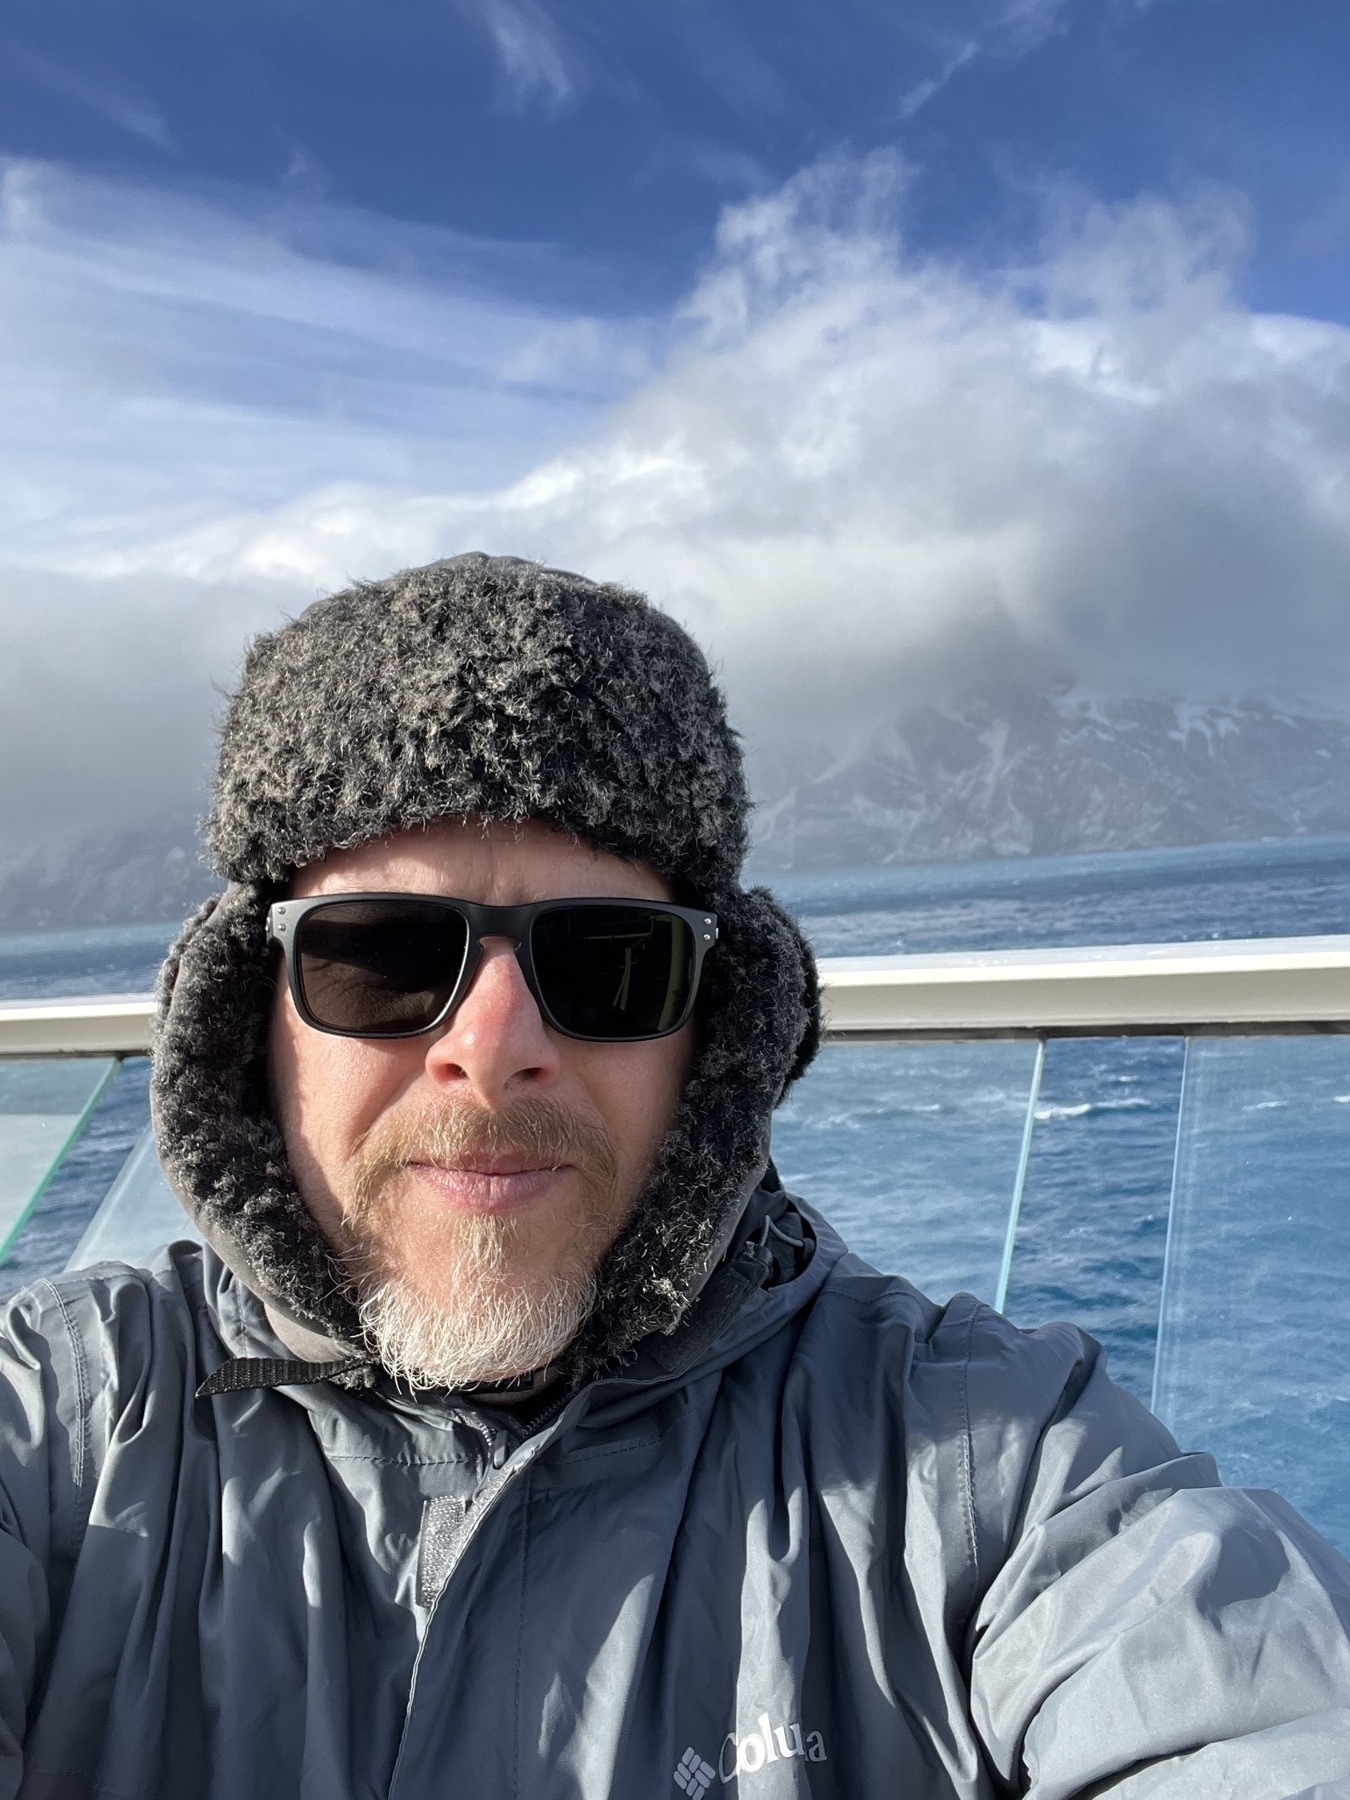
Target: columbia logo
{"type": "Point", "coordinates": [694, 1776]}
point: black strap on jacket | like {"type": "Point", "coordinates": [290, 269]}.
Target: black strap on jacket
{"type": "Point", "coordinates": [243, 1372]}
{"type": "Point", "coordinates": [240, 1373]}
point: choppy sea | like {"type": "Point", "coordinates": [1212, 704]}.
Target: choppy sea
{"type": "Point", "coordinates": [912, 1150]}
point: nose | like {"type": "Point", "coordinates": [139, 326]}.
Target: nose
{"type": "Point", "coordinates": [495, 1046]}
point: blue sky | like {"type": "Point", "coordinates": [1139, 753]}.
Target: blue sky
{"type": "Point", "coordinates": [994, 334]}
{"type": "Point", "coordinates": [612, 132]}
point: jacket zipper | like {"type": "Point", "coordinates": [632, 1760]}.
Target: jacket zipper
{"type": "Point", "coordinates": [489, 1496]}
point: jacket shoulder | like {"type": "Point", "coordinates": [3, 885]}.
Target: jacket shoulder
{"type": "Point", "coordinates": [93, 1341]}
{"type": "Point", "coordinates": [1033, 1413]}
{"type": "Point", "coordinates": [1005, 1364]}
{"type": "Point", "coordinates": [86, 1360]}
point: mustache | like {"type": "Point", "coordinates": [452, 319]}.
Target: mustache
{"type": "Point", "coordinates": [550, 1134]}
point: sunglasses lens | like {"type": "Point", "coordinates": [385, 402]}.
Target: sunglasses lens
{"type": "Point", "coordinates": [379, 968]}
{"type": "Point", "coordinates": [614, 971]}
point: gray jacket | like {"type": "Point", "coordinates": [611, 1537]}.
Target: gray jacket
{"type": "Point", "coordinates": [827, 1539]}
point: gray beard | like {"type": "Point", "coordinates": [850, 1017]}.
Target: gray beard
{"type": "Point", "coordinates": [484, 1329]}
{"type": "Point", "coordinates": [464, 1314]}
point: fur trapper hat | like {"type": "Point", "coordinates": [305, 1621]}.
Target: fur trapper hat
{"type": "Point", "coordinates": [493, 687]}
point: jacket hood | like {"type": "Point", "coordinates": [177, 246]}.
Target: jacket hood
{"type": "Point", "coordinates": [500, 689]}
{"type": "Point", "coordinates": [781, 1255]}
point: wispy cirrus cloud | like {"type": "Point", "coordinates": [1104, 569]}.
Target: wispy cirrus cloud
{"type": "Point", "coordinates": [176, 356]}
{"type": "Point", "coordinates": [922, 91]}
{"type": "Point", "coordinates": [107, 95]}
{"type": "Point", "coordinates": [731, 63]}
{"type": "Point", "coordinates": [534, 64]}
{"type": "Point", "coordinates": [961, 33]}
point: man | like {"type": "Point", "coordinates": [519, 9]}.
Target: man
{"type": "Point", "coordinates": [519, 1435]}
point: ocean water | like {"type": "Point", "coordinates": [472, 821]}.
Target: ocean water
{"type": "Point", "coordinates": [1251, 1355]}
{"type": "Point", "coordinates": [913, 1150]}
{"type": "Point", "coordinates": [1254, 1358]}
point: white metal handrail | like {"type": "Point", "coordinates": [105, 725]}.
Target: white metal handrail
{"type": "Point", "coordinates": [1240, 985]}
{"type": "Point", "coordinates": [103, 1025]}
{"type": "Point", "coordinates": [1245, 985]}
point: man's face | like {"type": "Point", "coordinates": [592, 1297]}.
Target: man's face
{"type": "Point", "coordinates": [473, 1177]}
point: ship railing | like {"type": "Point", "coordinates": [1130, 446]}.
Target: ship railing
{"type": "Point", "coordinates": [1209, 1247]}
{"type": "Point", "coordinates": [1231, 986]}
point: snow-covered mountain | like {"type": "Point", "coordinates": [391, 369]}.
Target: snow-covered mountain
{"type": "Point", "coordinates": [138, 876]}
{"type": "Point", "coordinates": [1047, 774]}
{"type": "Point", "coordinates": [1033, 776]}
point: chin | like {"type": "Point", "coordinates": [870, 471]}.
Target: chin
{"type": "Point", "coordinates": [472, 1327]}
{"type": "Point", "coordinates": [469, 1297]}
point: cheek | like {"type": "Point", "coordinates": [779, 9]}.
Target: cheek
{"type": "Point", "coordinates": [637, 1090]}
{"type": "Point", "coordinates": [326, 1092]}
{"type": "Point", "coordinates": [285, 1065]}
{"type": "Point", "coordinates": [298, 1092]}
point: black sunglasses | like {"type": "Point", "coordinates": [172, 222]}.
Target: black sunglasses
{"type": "Point", "coordinates": [396, 965]}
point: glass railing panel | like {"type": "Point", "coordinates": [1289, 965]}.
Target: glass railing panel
{"type": "Point", "coordinates": [1254, 1339]}
{"type": "Point", "coordinates": [140, 1213]}
{"type": "Point", "coordinates": [1093, 1227]}
{"type": "Point", "coordinates": [43, 1104]}
{"type": "Point", "coordinates": [87, 1170]}
{"type": "Point", "coordinates": [913, 1152]}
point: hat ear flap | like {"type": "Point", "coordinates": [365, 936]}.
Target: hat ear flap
{"type": "Point", "coordinates": [760, 1002]}
{"type": "Point", "coordinates": [217, 1140]}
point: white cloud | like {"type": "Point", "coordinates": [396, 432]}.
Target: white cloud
{"type": "Point", "coordinates": [862, 474]}
{"type": "Point", "coordinates": [863, 467]}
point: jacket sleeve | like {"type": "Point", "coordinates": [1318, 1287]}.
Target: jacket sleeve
{"type": "Point", "coordinates": [1143, 1632]}
{"type": "Point", "coordinates": [42, 1442]}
